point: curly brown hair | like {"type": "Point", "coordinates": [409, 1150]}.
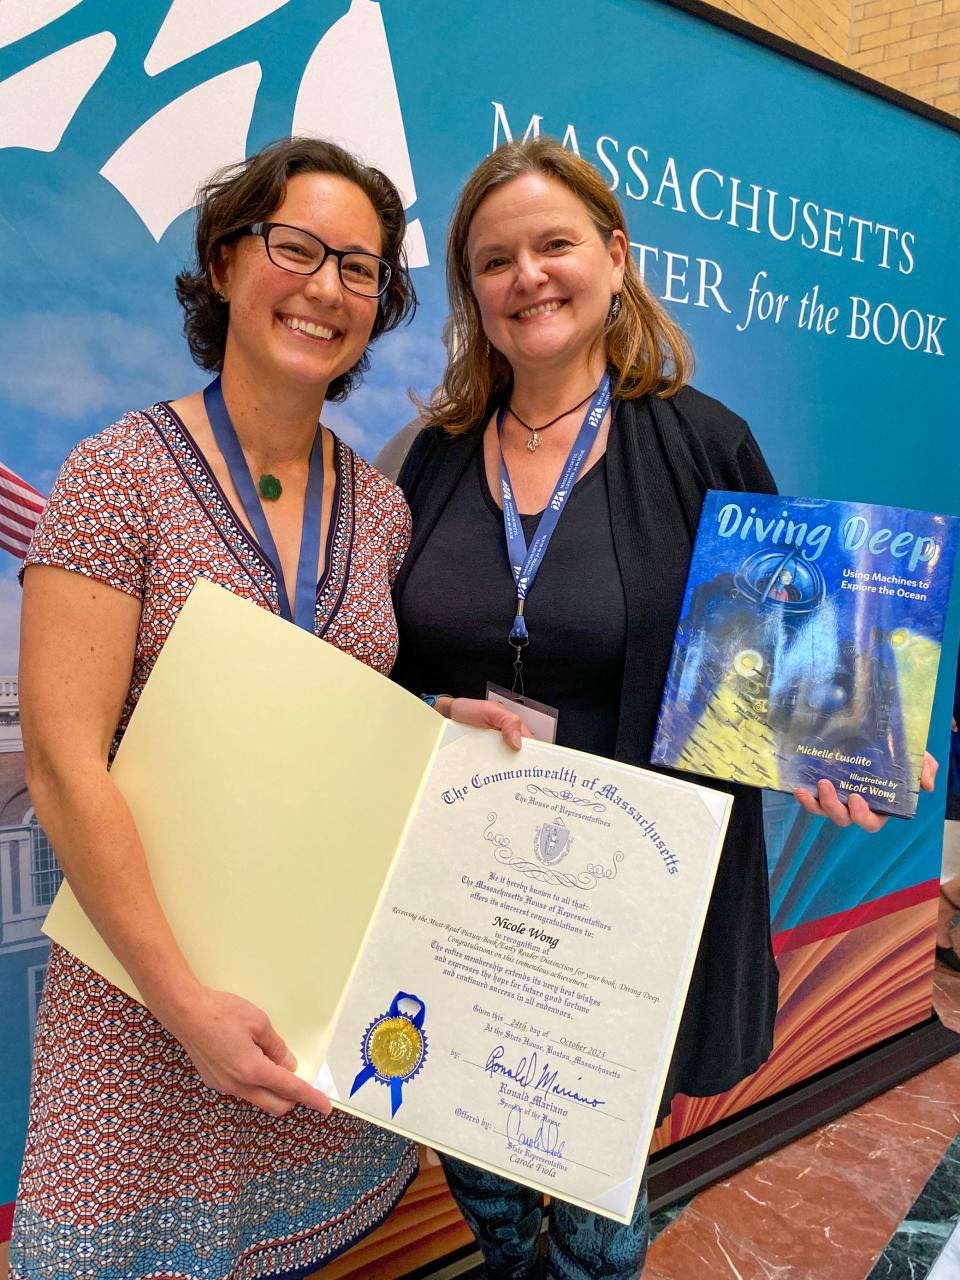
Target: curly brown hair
{"type": "Point", "coordinates": [249, 192]}
{"type": "Point", "coordinates": [645, 346]}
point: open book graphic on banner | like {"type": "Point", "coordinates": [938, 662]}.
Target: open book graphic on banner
{"type": "Point", "coordinates": [483, 949]}
{"type": "Point", "coordinates": [808, 646]}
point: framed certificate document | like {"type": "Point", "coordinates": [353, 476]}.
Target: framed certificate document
{"type": "Point", "coordinates": [483, 949]}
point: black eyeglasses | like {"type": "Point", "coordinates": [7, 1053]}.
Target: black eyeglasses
{"type": "Point", "coordinates": [296, 250]}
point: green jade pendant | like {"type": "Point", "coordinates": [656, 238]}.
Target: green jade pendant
{"type": "Point", "coordinates": [270, 487]}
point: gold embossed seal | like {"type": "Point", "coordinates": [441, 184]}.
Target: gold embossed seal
{"type": "Point", "coordinates": [395, 1047]}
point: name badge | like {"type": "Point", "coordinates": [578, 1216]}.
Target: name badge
{"type": "Point", "coordinates": [540, 719]}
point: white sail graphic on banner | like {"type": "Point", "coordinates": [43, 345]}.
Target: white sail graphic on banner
{"type": "Point", "coordinates": [160, 166]}
{"type": "Point", "coordinates": [37, 103]}
{"type": "Point", "coordinates": [19, 18]}
{"type": "Point", "coordinates": [349, 94]}
{"type": "Point", "coordinates": [194, 25]}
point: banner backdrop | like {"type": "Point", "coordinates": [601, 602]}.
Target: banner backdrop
{"type": "Point", "coordinates": [801, 230]}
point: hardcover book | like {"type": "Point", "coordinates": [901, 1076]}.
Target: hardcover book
{"type": "Point", "coordinates": [808, 646]}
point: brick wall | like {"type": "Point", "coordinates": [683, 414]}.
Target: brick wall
{"type": "Point", "coordinates": [821, 25]}
{"type": "Point", "coordinates": [911, 45]}
{"type": "Point", "coordinates": [914, 47]}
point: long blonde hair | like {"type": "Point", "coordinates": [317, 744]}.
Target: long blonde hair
{"type": "Point", "coordinates": [646, 348]}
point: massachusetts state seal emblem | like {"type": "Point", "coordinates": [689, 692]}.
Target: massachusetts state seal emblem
{"type": "Point", "coordinates": [553, 841]}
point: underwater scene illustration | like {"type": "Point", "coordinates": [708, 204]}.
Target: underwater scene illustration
{"type": "Point", "coordinates": [808, 646]}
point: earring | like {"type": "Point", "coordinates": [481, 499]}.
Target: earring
{"type": "Point", "coordinates": [489, 349]}
{"type": "Point", "coordinates": [614, 311]}
{"type": "Point", "coordinates": [222, 296]}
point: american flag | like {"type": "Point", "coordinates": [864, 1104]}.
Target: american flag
{"type": "Point", "coordinates": [20, 507]}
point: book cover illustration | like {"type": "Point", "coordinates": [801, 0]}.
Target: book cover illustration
{"type": "Point", "coordinates": [808, 646]}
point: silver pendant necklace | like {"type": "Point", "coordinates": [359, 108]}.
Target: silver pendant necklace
{"type": "Point", "coordinates": [534, 442]}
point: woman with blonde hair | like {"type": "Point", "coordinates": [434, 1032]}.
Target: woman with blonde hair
{"type": "Point", "coordinates": [555, 492]}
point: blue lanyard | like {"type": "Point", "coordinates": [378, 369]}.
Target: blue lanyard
{"type": "Point", "coordinates": [304, 613]}
{"type": "Point", "coordinates": [524, 563]}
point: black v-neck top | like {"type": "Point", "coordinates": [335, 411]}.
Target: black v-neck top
{"type": "Point", "coordinates": [460, 599]}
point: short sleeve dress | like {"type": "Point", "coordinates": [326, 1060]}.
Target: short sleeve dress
{"type": "Point", "coordinates": [133, 1166]}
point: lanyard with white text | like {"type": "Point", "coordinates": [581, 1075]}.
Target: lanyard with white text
{"type": "Point", "coordinates": [304, 612]}
{"type": "Point", "coordinates": [524, 562]}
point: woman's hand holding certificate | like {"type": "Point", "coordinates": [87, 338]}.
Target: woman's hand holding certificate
{"type": "Point", "coordinates": [484, 949]}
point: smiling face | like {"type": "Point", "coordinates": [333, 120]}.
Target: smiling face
{"type": "Point", "coordinates": [287, 328]}
{"type": "Point", "coordinates": [542, 275]}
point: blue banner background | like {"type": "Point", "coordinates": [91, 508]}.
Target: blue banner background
{"type": "Point", "coordinates": [90, 326]}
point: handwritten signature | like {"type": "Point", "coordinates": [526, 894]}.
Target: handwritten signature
{"type": "Point", "coordinates": [546, 1139]}
{"type": "Point", "coordinates": [529, 1074]}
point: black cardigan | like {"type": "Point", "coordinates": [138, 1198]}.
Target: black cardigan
{"type": "Point", "coordinates": [661, 458]}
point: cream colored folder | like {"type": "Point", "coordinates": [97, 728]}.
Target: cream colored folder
{"type": "Point", "coordinates": [243, 716]}
{"type": "Point", "coordinates": [302, 817]}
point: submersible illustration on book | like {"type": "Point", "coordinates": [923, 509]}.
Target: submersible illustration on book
{"type": "Point", "coordinates": [808, 646]}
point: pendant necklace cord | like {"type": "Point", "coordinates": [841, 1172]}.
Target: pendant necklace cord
{"type": "Point", "coordinates": [302, 610]}
{"type": "Point", "coordinates": [534, 441]}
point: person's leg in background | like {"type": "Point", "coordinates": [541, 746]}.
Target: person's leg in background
{"type": "Point", "coordinates": [506, 1219]}
{"type": "Point", "coordinates": [583, 1246]}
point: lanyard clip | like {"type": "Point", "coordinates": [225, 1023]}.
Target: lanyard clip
{"type": "Point", "coordinates": [518, 667]}
{"type": "Point", "coordinates": [519, 637]}
{"type": "Point", "coordinates": [518, 640]}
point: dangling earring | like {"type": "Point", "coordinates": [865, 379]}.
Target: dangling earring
{"type": "Point", "coordinates": [489, 349]}
{"type": "Point", "coordinates": [614, 311]}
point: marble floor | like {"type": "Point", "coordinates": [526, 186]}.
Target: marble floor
{"type": "Point", "coordinates": [855, 1199]}
{"type": "Point", "coordinates": [927, 1242]}
{"type": "Point", "coordinates": [873, 1195]}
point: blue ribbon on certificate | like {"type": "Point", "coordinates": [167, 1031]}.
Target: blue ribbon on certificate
{"type": "Point", "coordinates": [394, 1048]}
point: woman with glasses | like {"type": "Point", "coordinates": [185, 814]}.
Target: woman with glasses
{"type": "Point", "coordinates": [174, 1139]}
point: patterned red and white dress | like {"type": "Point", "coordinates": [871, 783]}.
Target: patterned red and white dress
{"type": "Point", "coordinates": [133, 1166]}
